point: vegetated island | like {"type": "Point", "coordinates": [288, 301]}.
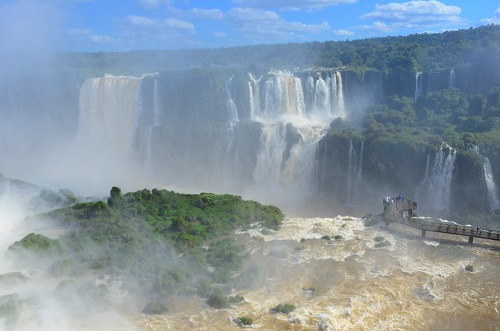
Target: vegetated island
{"type": "Point", "coordinates": [156, 242]}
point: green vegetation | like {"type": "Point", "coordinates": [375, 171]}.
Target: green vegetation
{"type": "Point", "coordinates": [469, 268]}
{"type": "Point", "coordinates": [218, 300]}
{"type": "Point", "coordinates": [235, 299]}
{"type": "Point", "coordinates": [36, 244]}
{"type": "Point", "coordinates": [155, 237]}
{"type": "Point", "coordinates": [284, 308]}
{"type": "Point", "coordinates": [244, 321]}
{"type": "Point", "coordinates": [10, 309]}
{"type": "Point", "coordinates": [154, 308]}
{"type": "Point", "coordinates": [418, 52]}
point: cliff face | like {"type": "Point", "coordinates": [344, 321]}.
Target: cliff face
{"type": "Point", "coordinates": [207, 126]}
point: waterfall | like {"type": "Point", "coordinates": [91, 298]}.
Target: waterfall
{"type": "Point", "coordinates": [351, 171]}
{"type": "Point", "coordinates": [340, 107]}
{"type": "Point", "coordinates": [156, 122]}
{"type": "Point", "coordinates": [254, 91]}
{"type": "Point", "coordinates": [283, 95]}
{"type": "Point", "coordinates": [451, 79]}
{"type": "Point", "coordinates": [434, 191]}
{"type": "Point", "coordinates": [427, 167]}
{"type": "Point", "coordinates": [354, 171]}
{"type": "Point", "coordinates": [309, 93]}
{"type": "Point", "coordinates": [418, 85]}
{"type": "Point", "coordinates": [360, 165]}
{"type": "Point", "coordinates": [491, 186]}
{"type": "Point", "coordinates": [232, 114]}
{"type": "Point", "coordinates": [322, 96]}
{"type": "Point", "coordinates": [109, 111]}
{"type": "Point", "coordinates": [269, 158]}
{"type": "Point", "coordinates": [286, 157]}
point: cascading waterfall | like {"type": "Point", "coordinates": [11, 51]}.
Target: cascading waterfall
{"type": "Point", "coordinates": [254, 90]}
{"type": "Point", "coordinates": [493, 200]}
{"type": "Point", "coordinates": [340, 109]}
{"type": "Point", "coordinates": [434, 191]}
{"type": "Point", "coordinates": [233, 118]}
{"type": "Point", "coordinates": [418, 85]}
{"type": "Point", "coordinates": [109, 110]}
{"type": "Point", "coordinates": [451, 79]}
{"type": "Point", "coordinates": [359, 177]}
{"type": "Point", "coordinates": [351, 171]}
{"type": "Point", "coordinates": [283, 95]}
{"type": "Point", "coordinates": [289, 139]}
{"type": "Point", "coordinates": [354, 171]}
{"type": "Point", "coordinates": [156, 122]}
{"type": "Point", "coordinates": [322, 96]}
{"type": "Point", "coordinates": [309, 93]}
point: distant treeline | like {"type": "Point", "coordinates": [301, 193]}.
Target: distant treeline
{"type": "Point", "coordinates": [417, 52]}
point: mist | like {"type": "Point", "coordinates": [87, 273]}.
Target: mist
{"type": "Point", "coordinates": [312, 140]}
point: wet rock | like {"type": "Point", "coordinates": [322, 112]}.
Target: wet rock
{"type": "Point", "coordinates": [154, 308]}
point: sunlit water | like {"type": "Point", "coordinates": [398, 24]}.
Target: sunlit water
{"type": "Point", "coordinates": [413, 284]}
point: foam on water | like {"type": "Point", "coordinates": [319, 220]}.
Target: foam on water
{"type": "Point", "coordinates": [409, 284]}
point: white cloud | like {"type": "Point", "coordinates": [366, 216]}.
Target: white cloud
{"type": "Point", "coordinates": [160, 24]}
{"type": "Point", "coordinates": [414, 14]}
{"type": "Point", "coordinates": [84, 36]}
{"type": "Point", "coordinates": [292, 4]}
{"type": "Point", "coordinates": [153, 3]}
{"type": "Point", "coordinates": [495, 19]}
{"type": "Point", "coordinates": [343, 32]}
{"type": "Point", "coordinates": [262, 26]}
{"type": "Point", "coordinates": [209, 14]}
{"type": "Point", "coordinates": [266, 22]}
{"type": "Point", "coordinates": [376, 27]}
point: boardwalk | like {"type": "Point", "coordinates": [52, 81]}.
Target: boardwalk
{"type": "Point", "coordinates": [401, 211]}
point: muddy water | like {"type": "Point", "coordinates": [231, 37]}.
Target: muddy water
{"type": "Point", "coordinates": [349, 284]}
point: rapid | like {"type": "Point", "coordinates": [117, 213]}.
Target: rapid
{"type": "Point", "coordinates": [331, 270]}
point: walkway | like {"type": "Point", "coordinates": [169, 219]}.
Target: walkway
{"type": "Point", "coordinates": [401, 211]}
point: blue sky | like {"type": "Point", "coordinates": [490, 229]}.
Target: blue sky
{"type": "Point", "coordinates": [123, 25]}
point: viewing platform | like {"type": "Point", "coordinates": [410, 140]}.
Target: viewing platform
{"type": "Point", "coordinates": [401, 211]}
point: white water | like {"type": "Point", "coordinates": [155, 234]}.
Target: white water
{"type": "Point", "coordinates": [434, 191]}
{"type": "Point", "coordinates": [354, 171]}
{"type": "Point", "coordinates": [340, 108]}
{"type": "Point", "coordinates": [284, 103]}
{"type": "Point", "coordinates": [109, 108]}
{"type": "Point", "coordinates": [283, 95]}
{"type": "Point", "coordinates": [451, 79]}
{"type": "Point", "coordinates": [490, 184]}
{"type": "Point", "coordinates": [418, 86]}
{"type": "Point", "coordinates": [156, 123]}
{"type": "Point", "coordinates": [254, 92]}
{"type": "Point", "coordinates": [233, 118]}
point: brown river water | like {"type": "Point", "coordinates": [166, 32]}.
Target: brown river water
{"type": "Point", "coordinates": [414, 283]}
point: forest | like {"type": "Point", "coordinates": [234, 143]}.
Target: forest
{"type": "Point", "coordinates": [160, 242]}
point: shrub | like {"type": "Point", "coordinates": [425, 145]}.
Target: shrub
{"type": "Point", "coordinates": [154, 308]}
{"type": "Point", "coordinates": [284, 308]}
{"type": "Point", "coordinates": [379, 239]}
{"type": "Point", "coordinates": [245, 320]}
{"type": "Point", "coordinates": [235, 299]}
{"type": "Point", "coordinates": [217, 300]}
{"type": "Point", "coordinates": [469, 268]}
